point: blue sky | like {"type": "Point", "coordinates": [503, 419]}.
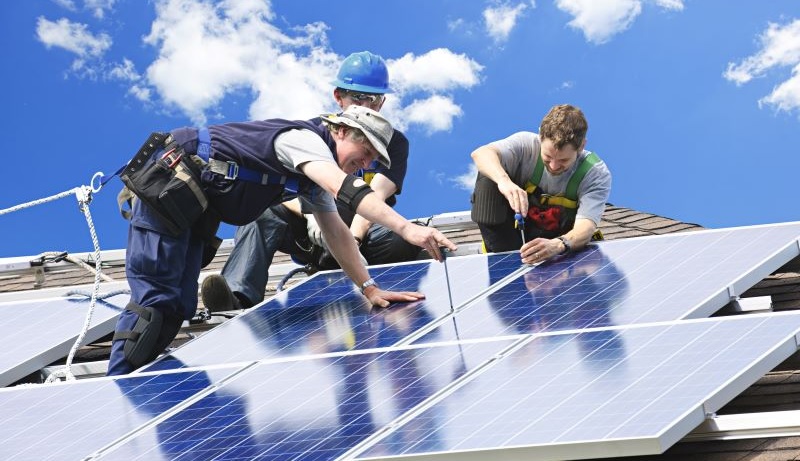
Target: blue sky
{"type": "Point", "coordinates": [693, 104]}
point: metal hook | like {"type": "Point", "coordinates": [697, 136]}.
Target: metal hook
{"type": "Point", "coordinates": [99, 177]}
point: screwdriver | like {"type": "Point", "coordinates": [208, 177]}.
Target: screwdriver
{"type": "Point", "coordinates": [519, 223]}
{"type": "Point", "coordinates": [444, 251]}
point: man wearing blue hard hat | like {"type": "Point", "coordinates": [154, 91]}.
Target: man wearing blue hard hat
{"type": "Point", "coordinates": [362, 80]}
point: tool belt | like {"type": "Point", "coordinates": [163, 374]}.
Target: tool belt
{"type": "Point", "coordinates": [168, 183]}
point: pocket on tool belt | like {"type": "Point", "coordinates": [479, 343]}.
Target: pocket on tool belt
{"type": "Point", "coordinates": [169, 184]}
{"type": "Point", "coordinates": [183, 197]}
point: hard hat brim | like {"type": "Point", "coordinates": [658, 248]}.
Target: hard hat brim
{"type": "Point", "coordinates": [361, 88]}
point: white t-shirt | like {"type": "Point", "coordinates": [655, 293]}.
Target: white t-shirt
{"type": "Point", "coordinates": [519, 154]}
{"type": "Point", "coordinates": [296, 147]}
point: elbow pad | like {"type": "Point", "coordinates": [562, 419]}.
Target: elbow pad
{"type": "Point", "coordinates": [352, 192]}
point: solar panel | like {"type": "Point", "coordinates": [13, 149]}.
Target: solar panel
{"type": "Point", "coordinates": [37, 333]}
{"type": "Point", "coordinates": [326, 314]}
{"type": "Point", "coordinates": [309, 408]}
{"type": "Point", "coordinates": [72, 420]}
{"type": "Point", "coordinates": [629, 281]}
{"type": "Point", "coordinates": [601, 393]}
{"type": "Point", "coordinates": [613, 367]}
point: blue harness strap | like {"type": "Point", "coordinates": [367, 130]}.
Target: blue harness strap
{"type": "Point", "coordinates": [232, 170]}
{"type": "Point", "coordinates": [203, 144]}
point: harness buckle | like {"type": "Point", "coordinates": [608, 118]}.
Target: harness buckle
{"type": "Point", "coordinates": [233, 170]}
{"type": "Point", "coordinates": [172, 160]}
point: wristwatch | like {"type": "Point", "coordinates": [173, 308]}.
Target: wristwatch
{"type": "Point", "coordinates": [370, 282]}
{"type": "Point", "coordinates": [567, 246]}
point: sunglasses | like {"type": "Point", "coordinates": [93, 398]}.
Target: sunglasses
{"type": "Point", "coordinates": [370, 98]}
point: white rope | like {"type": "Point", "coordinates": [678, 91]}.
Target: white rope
{"type": "Point", "coordinates": [39, 202]}
{"type": "Point", "coordinates": [84, 196]}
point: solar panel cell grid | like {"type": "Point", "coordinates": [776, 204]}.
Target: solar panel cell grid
{"type": "Point", "coordinates": [326, 314]}
{"type": "Point", "coordinates": [333, 381]}
{"type": "Point", "coordinates": [627, 282]}
{"type": "Point", "coordinates": [595, 389]}
{"type": "Point", "coordinates": [307, 408]}
{"type": "Point", "coordinates": [37, 333]}
{"type": "Point", "coordinates": [72, 420]}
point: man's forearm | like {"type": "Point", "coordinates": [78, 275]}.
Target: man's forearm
{"type": "Point", "coordinates": [581, 233]}
{"type": "Point", "coordinates": [375, 210]}
{"type": "Point", "coordinates": [487, 160]}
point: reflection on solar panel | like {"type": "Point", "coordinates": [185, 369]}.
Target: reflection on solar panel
{"type": "Point", "coordinates": [629, 281]}
{"type": "Point", "coordinates": [73, 420]}
{"type": "Point", "coordinates": [306, 409]}
{"type": "Point", "coordinates": [326, 314]}
{"type": "Point", "coordinates": [37, 333]}
{"type": "Point", "coordinates": [587, 356]}
{"type": "Point", "coordinates": [612, 392]}
{"type": "Point", "coordinates": [602, 392]}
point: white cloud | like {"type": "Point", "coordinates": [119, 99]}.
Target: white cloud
{"type": "Point", "coordinates": [71, 36]}
{"type": "Point", "coordinates": [455, 24]}
{"type": "Point", "coordinates": [231, 47]}
{"type": "Point", "coordinates": [142, 93]}
{"type": "Point", "coordinates": [125, 71]}
{"type": "Point", "coordinates": [601, 20]}
{"type": "Point", "coordinates": [675, 5]}
{"type": "Point", "coordinates": [207, 51]}
{"type": "Point", "coordinates": [500, 20]}
{"type": "Point", "coordinates": [785, 96]}
{"type": "Point", "coordinates": [436, 70]}
{"type": "Point", "coordinates": [435, 113]}
{"type": "Point", "coordinates": [466, 181]}
{"type": "Point", "coordinates": [75, 38]}
{"type": "Point", "coordinates": [66, 4]}
{"type": "Point", "coordinates": [780, 47]}
{"type": "Point", "coordinates": [99, 7]}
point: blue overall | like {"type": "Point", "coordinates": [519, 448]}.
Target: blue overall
{"type": "Point", "coordinates": [162, 269]}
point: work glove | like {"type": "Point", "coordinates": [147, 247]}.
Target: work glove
{"type": "Point", "coordinates": [314, 231]}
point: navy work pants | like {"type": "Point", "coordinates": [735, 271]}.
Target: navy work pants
{"type": "Point", "coordinates": [162, 273]}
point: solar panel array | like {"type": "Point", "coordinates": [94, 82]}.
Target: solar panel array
{"type": "Point", "coordinates": [603, 353]}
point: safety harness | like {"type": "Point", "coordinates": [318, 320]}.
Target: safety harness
{"type": "Point", "coordinates": [232, 170]}
{"type": "Point", "coordinates": [556, 213]}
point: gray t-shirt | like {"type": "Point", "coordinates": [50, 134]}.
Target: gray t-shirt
{"type": "Point", "coordinates": [295, 147]}
{"type": "Point", "coordinates": [519, 154]}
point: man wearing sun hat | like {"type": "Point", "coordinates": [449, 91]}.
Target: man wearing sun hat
{"type": "Point", "coordinates": [362, 80]}
{"type": "Point", "coordinates": [246, 167]}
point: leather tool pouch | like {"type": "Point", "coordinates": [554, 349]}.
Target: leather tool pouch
{"type": "Point", "coordinates": [168, 183]}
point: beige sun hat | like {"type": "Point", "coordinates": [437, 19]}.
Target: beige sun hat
{"type": "Point", "coordinates": [375, 127]}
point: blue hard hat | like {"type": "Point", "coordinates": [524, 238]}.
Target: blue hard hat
{"type": "Point", "coordinates": [364, 72]}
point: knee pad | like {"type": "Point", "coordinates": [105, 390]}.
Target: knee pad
{"type": "Point", "coordinates": [489, 206]}
{"type": "Point", "coordinates": [142, 340]}
{"type": "Point", "coordinates": [169, 330]}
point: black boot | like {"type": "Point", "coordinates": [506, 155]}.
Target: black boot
{"type": "Point", "coordinates": [217, 295]}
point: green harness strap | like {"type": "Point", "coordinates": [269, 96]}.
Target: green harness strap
{"type": "Point", "coordinates": [571, 193]}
